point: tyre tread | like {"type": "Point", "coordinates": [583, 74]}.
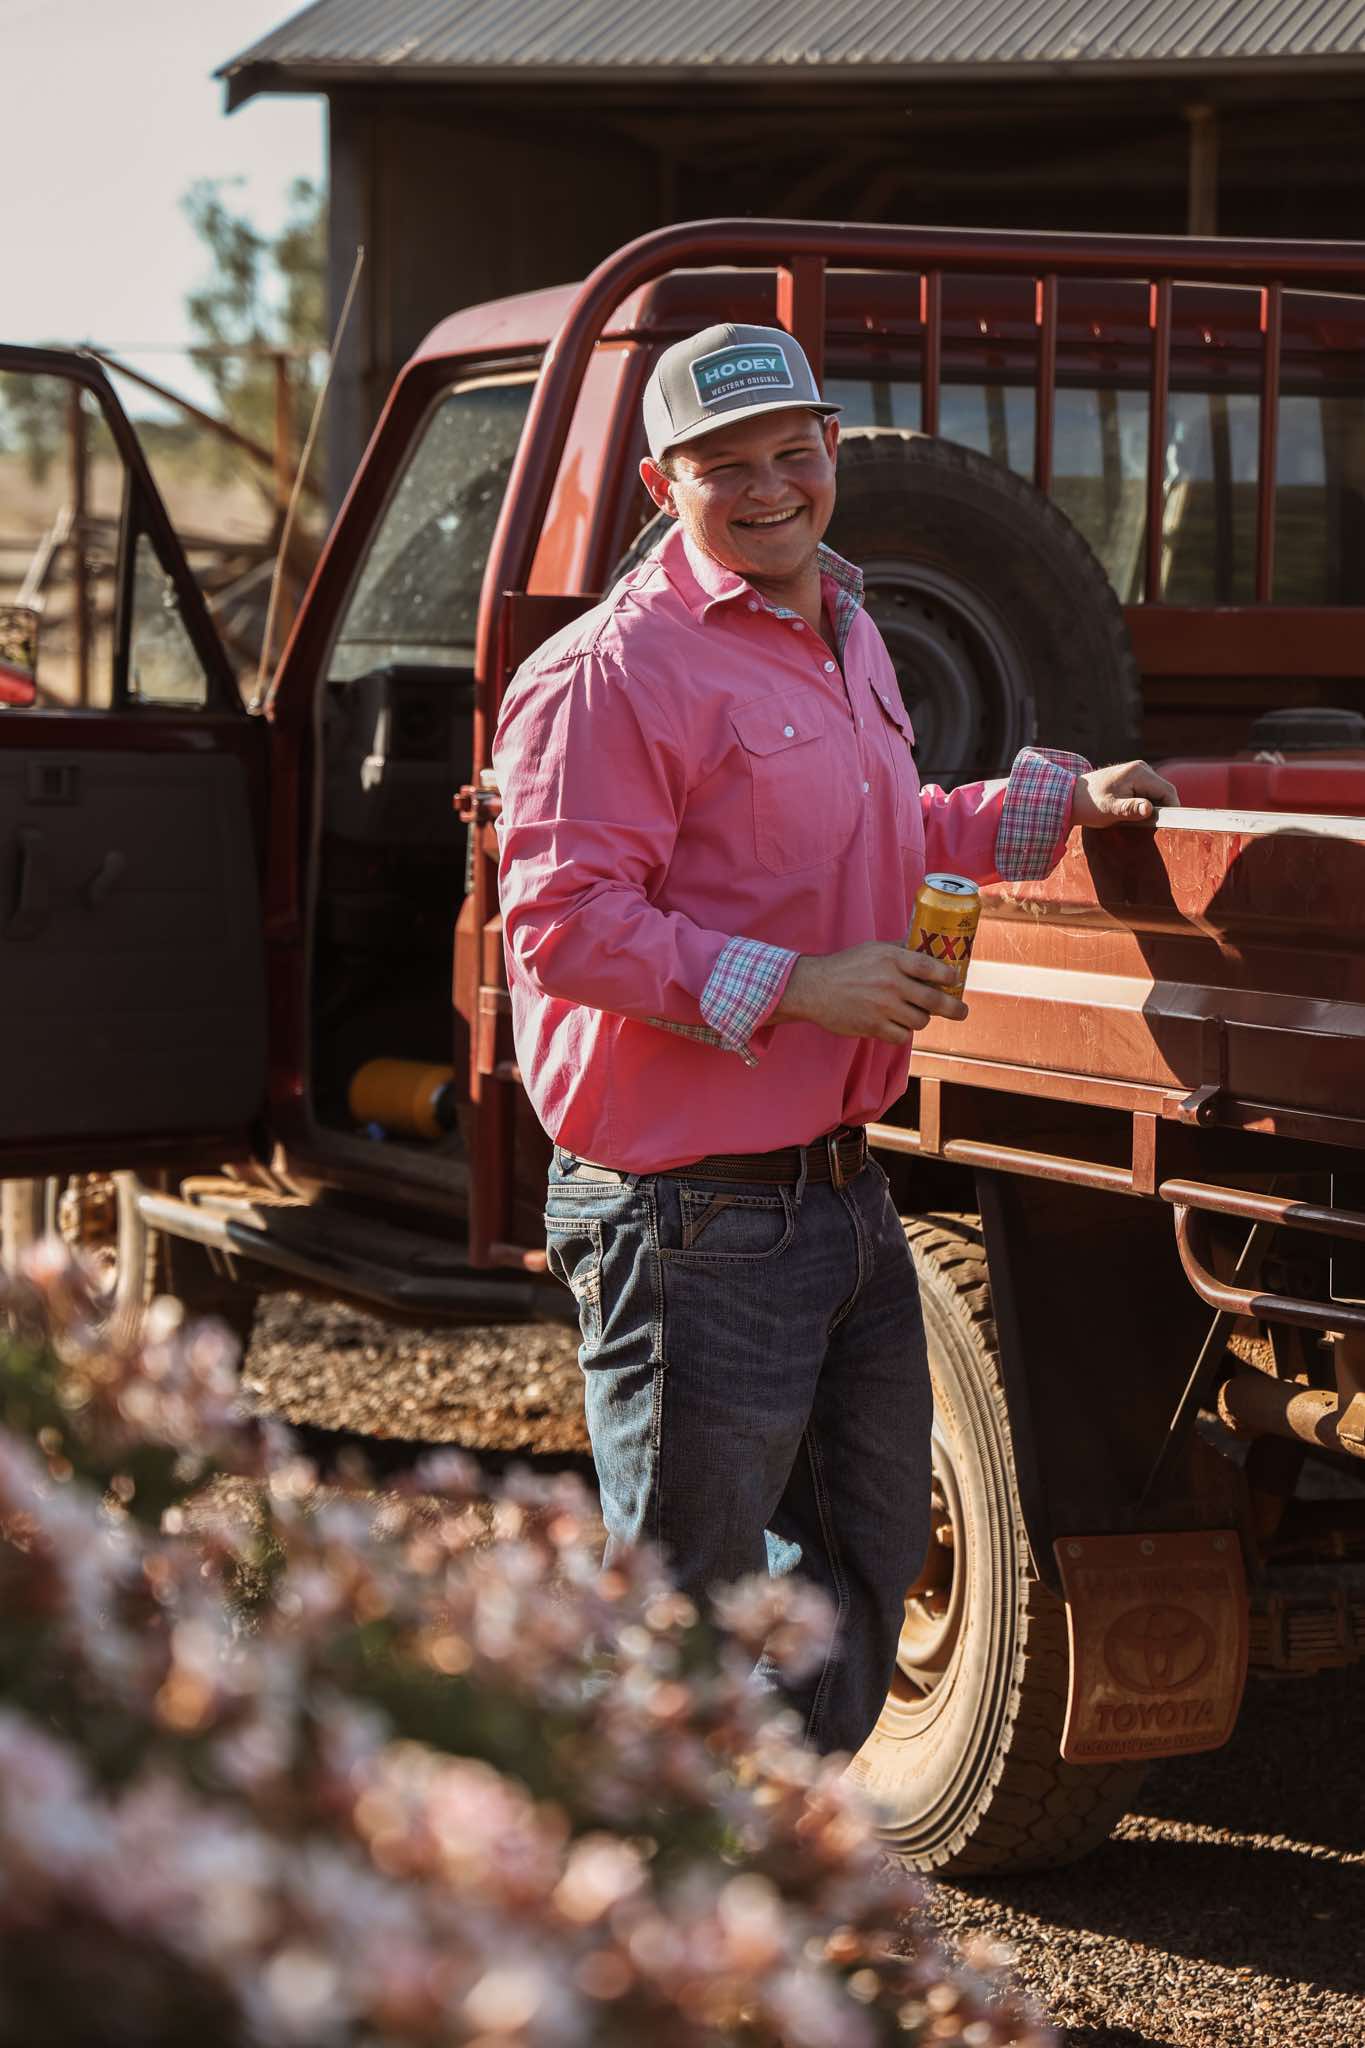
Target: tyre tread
{"type": "Point", "coordinates": [1035, 1811]}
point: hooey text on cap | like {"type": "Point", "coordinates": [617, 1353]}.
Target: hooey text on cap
{"type": "Point", "coordinates": [727, 372]}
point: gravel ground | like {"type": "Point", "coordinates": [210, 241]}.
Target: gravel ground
{"type": "Point", "coordinates": [1228, 1909]}
{"type": "Point", "coordinates": [500, 1388]}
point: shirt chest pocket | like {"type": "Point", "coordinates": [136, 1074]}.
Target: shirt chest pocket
{"type": "Point", "coordinates": [801, 785]}
{"type": "Point", "coordinates": [898, 738]}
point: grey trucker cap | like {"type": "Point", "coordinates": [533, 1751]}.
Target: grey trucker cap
{"type": "Point", "coordinates": [725, 373]}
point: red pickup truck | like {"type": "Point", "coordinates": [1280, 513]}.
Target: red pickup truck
{"type": "Point", "coordinates": [1106, 491]}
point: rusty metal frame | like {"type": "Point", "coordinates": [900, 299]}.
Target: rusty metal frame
{"type": "Point", "coordinates": [801, 252]}
{"type": "Point", "coordinates": [1192, 1245]}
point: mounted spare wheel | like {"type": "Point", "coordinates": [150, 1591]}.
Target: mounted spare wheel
{"type": "Point", "coordinates": [964, 1763]}
{"type": "Point", "coordinates": [1002, 625]}
{"type": "Point", "coordinates": [98, 1214]}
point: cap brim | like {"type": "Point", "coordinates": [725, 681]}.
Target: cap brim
{"type": "Point", "coordinates": [748, 412]}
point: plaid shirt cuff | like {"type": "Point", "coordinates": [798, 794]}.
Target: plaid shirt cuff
{"type": "Point", "coordinates": [1035, 817]}
{"type": "Point", "coordinates": [741, 991]}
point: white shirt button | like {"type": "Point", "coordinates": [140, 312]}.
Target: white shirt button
{"type": "Point", "coordinates": [753, 604]}
{"type": "Point", "coordinates": [798, 625]}
{"type": "Point", "coordinates": [789, 732]}
{"type": "Point", "coordinates": [829, 668]}
{"type": "Point", "coordinates": [866, 787]}
{"type": "Point", "coordinates": [862, 724]}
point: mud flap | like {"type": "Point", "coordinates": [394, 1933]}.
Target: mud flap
{"type": "Point", "coordinates": [1158, 1634]}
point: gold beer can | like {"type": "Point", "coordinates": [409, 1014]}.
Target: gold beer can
{"type": "Point", "coordinates": [947, 912]}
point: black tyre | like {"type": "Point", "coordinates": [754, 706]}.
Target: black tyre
{"type": "Point", "coordinates": [98, 1214]}
{"type": "Point", "coordinates": [964, 1762]}
{"type": "Point", "coordinates": [1002, 625]}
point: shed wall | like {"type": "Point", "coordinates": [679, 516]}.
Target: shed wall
{"type": "Point", "coordinates": [459, 200]}
{"type": "Point", "coordinates": [454, 208]}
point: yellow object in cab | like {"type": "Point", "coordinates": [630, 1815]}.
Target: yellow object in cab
{"type": "Point", "coordinates": [407, 1097]}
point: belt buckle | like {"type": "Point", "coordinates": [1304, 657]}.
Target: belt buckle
{"type": "Point", "coordinates": [838, 1178]}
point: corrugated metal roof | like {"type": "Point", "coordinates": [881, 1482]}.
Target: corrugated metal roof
{"type": "Point", "coordinates": [580, 36]}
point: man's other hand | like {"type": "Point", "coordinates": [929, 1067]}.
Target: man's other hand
{"type": "Point", "coordinates": [1127, 794]}
{"type": "Point", "coordinates": [873, 991]}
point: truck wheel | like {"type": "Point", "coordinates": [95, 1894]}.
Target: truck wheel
{"type": "Point", "coordinates": [1001, 623]}
{"type": "Point", "coordinates": [97, 1213]}
{"type": "Point", "coordinates": [964, 1761]}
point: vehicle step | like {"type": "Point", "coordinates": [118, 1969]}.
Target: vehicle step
{"type": "Point", "coordinates": [372, 1261]}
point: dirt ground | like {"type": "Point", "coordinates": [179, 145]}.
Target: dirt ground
{"type": "Point", "coordinates": [1226, 1910]}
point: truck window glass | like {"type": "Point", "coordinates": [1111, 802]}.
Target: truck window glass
{"type": "Point", "coordinates": [1209, 517]}
{"type": "Point", "coordinates": [57, 554]}
{"type": "Point", "coordinates": [1099, 476]}
{"type": "Point", "coordinates": [163, 667]}
{"type": "Point", "coordinates": [996, 418]}
{"type": "Point", "coordinates": [1209, 496]}
{"type": "Point", "coordinates": [416, 600]}
{"type": "Point", "coordinates": [1320, 500]}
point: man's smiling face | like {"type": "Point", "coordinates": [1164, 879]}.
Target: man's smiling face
{"type": "Point", "coordinates": [757, 496]}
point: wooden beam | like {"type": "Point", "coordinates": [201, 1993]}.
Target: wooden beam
{"type": "Point", "coordinates": [1202, 209]}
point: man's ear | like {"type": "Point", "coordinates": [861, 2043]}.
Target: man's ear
{"type": "Point", "coordinates": [659, 486]}
{"type": "Point", "coordinates": [831, 426]}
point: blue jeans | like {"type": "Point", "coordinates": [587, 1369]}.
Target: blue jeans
{"type": "Point", "coordinates": [758, 1397]}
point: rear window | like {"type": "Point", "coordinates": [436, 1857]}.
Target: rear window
{"type": "Point", "coordinates": [1209, 483]}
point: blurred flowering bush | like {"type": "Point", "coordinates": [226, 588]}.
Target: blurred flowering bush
{"type": "Point", "coordinates": [293, 1766]}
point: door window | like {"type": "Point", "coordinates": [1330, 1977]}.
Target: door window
{"type": "Point", "coordinates": [90, 603]}
{"type": "Point", "coordinates": [61, 486]}
{"type": "Point", "coordinates": [163, 667]}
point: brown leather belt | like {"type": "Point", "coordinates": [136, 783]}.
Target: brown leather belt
{"type": "Point", "coordinates": [835, 1157]}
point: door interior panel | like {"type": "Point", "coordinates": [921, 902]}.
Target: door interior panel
{"type": "Point", "coordinates": [132, 980]}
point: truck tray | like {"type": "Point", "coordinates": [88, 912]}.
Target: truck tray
{"type": "Point", "coordinates": [1212, 970]}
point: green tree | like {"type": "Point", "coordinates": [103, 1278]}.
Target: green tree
{"type": "Point", "coordinates": [266, 292]}
{"type": "Point", "coordinates": [33, 420]}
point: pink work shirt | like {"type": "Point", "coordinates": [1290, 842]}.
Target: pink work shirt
{"type": "Point", "coordinates": [693, 794]}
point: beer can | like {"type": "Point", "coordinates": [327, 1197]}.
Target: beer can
{"type": "Point", "coordinates": [947, 912]}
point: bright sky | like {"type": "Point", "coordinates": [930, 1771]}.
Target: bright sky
{"type": "Point", "coordinates": [110, 113]}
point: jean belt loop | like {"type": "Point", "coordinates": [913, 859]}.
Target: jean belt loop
{"type": "Point", "coordinates": [800, 1188]}
{"type": "Point", "coordinates": [838, 1177]}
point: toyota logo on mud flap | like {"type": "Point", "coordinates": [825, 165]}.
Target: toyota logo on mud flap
{"type": "Point", "coordinates": [1157, 1649]}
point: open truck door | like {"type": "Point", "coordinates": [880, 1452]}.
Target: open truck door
{"type": "Point", "coordinates": [133, 789]}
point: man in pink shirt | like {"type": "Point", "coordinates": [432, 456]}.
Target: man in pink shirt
{"type": "Point", "coordinates": [712, 835]}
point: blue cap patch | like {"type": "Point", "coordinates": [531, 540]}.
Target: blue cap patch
{"type": "Point", "coordinates": [748, 366]}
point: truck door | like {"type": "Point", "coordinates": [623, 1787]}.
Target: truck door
{"type": "Point", "coordinates": [132, 809]}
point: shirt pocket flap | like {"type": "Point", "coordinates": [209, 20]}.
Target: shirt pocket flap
{"type": "Point", "coordinates": [775, 723]}
{"type": "Point", "coordinates": [889, 697]}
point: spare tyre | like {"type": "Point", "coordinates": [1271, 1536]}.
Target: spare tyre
{"type": "Point", "coordinates": [1001, 623]}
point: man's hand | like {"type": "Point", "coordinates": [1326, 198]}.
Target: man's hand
{"type": "Point", "coordinates": [873, 991]}
{"type": "Point", "coordinates": [1123, 795]}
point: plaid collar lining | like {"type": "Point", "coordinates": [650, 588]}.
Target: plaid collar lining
{"type": "Point", "coordinates": [848, 595]}
{"type": "Point", "coordinates": [716, 585]}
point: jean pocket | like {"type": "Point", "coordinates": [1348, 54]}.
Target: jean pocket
{"type": "Point", "coordinates": [573, 1252]}
{"type": "Point", "coordinates": [702, 1221]}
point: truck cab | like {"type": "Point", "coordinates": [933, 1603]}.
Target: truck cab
{"type": "Point", "coordinates": [1106, 493]}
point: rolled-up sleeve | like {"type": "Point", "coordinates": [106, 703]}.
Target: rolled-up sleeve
{"type": "Point", "coordinates": [1012, 829]}
{"type": "Point", "coordinates": [594, 781]}
{"type": "Point", "coordinates": [1035, 816]}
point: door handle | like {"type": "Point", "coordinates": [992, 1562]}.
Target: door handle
{"type": "Point", "coordinates": [104, 878]}
{"type": "Point", "coordinates": [32, 904]}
